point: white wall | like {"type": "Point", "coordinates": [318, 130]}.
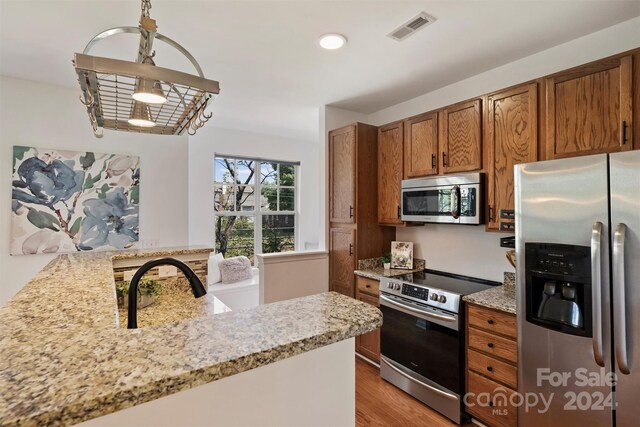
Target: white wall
{"type": "Point", "coordinates": [48, 116]}
{"type": "Point", "coordinates": [290, 275]}
{"type": "Point", "coordinates": [470, 250]}
{"type": "Point", "coordinates": [211, 140]}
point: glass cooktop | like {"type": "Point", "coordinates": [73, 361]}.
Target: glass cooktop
{"type": "Point", "coordinates": [461, 285]}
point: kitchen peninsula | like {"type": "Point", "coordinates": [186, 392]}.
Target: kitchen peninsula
{"type": "Point", "coordinates": [65, 360]}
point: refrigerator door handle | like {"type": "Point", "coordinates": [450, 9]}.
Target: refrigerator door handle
{"type": "Point", "coordinates": [620, 312]}
{"type": "Point", "coordinates": [596, 279]}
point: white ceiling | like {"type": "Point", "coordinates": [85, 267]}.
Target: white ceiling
{"type": "Point", "coordinates": [264, 53]}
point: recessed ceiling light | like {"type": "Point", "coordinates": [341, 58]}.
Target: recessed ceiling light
{"type": "Point", "coordinates": [332, 41]}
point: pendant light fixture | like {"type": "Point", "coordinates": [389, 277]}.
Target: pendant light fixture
{"type": "Point", "coordinates": [147, 90]}
{"type": "Point", "coordinates": [139, 96]}
{"type": "Point", "coordinates": [141, 115]}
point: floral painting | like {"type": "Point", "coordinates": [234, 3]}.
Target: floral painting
{"type": "Point", "coordinates": [68, 201]}
{"type": "Point", "coordinates": [402, 255]}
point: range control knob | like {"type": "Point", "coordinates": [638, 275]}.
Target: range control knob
{"type": "Point", "coordinates": [434, 297]}
{"type": "Point", "coordinates": [397, 288]}
{"type": "Point", "coordinates": [390, 285]}
{"type": "Point", "coordinates": [442, 298]}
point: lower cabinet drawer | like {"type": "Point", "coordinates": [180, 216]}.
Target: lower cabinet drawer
{"type": "Point", "coordinates": [369, 286]}
{"type": "Point", "coordinates": [493, 368]}
{"type": "Point", "coordinates": [490, 402]}
{"type": "Point", "coordinates": [494, 345]}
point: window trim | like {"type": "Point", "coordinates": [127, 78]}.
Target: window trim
{"type": "Point", "coordinates": [258, 213]}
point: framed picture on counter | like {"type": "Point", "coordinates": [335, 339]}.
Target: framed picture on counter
{"type": "Point", "coordinates": [402, 255]}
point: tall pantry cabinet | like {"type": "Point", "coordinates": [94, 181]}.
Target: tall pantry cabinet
{"type": "Point", "coordinates": [354, 232]}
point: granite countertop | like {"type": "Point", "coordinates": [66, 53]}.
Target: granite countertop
{"type": "Point", "coordinates": [372, 269]}
{"type": "Point", "coordinates": [64, 359]}
{"type": "Point", "coordinates": [501, 298]}
{"type": "Point", "coordinates": [174, 304]}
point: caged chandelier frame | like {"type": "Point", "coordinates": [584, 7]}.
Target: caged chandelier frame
{"type": "Point", "coordinates": [138, 96]}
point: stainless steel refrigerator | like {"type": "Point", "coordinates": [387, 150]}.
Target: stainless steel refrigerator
{"type": "Point", "coordinates": [578, 298]}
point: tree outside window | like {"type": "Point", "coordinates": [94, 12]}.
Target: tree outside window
{"type": "Point", "coordinates": [255, 208]}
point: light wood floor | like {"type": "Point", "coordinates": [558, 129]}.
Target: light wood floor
{"type": "Point", "coordinates": [379, 403]}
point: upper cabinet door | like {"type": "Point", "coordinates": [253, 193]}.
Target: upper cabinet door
{"type": "Point", "coordinates": [512, 135]}
{"type": "Point", "coordinates": [390, 172]}
{"type": "Point", "coordinates": [342, 175]}
{"type": "Point", "coordinates": [589, 110]}
{"type": "Point", "coordinates": [421, 154]}
{"type": "Point", "coordinates": [461, 137]}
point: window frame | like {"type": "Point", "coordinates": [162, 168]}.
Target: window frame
{"type": "Point", "coordinates": [257, 213]}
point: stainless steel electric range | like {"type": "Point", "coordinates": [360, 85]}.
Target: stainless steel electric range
{"type": "Point", "coordinates": [422, 341]}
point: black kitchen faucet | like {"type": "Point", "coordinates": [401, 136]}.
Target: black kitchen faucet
{"type": "Point", "coordinates": [196, 285]}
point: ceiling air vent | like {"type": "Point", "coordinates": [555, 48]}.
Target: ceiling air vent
{"type": "Point", "coordinates": [411, 26]}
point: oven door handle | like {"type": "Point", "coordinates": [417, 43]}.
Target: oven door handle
{"type": "Point", "coordinates": [414, 311]}
{"type": "Point", "coordinates": [390, 364]}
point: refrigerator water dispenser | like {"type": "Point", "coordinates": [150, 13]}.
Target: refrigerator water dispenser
{"type": "Point", "coordinates": [558, 287]}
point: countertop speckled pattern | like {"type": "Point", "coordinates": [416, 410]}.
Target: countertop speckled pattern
{"type": "Point", "coordinates": [501, 298]}
{"type": "Point", "coordinates": [175, 303]}
{"type": "Point", "coordinates": [63, 358]}
{"type": "Point", "coordinates": [372, 268]}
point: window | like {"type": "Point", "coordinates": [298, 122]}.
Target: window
{"type": "Point", "coordinates": [255, 206]}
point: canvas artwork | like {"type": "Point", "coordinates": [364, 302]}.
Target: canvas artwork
{"type": "Point", "coordinates": [68, 201]}
{"type": "Point", "coordinates": [402, 255]}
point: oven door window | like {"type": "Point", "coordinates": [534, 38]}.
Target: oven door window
{"type": "Point", "coordinates": [427, 202]}
{"type": "Point", "coordinates": [431, 350]}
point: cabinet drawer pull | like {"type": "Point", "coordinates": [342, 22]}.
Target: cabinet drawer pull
{"type": "Point", "coordinates": [444, 159]}
{"type": "Point", "coordinates": [399, 212]}
{"type": "Point", "coordinates": [624, 132]}
{"type": "Point", "coordinates": [433, 161]}
{"type": "Point", "coordinates": [350, 211]}
{"type": "Point", "coordinates": [491, 404]}
{"type": "Point", "coordinates": [490, 345]}
{"type": "Point", "coordinates": [490, 214]}
{"type": "Point", "coordinates": [490, 368]}
{"type": "Point", "coordinates": [350, 249]}
{"type": "Point", "coordinates": [367, 286]}
{"type": "Point", "coordinates": [490, 321]}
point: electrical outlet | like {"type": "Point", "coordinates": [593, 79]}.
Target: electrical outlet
{"type": "Point", "coordinates": [150, 243]}
{"type": "Point", "coordinates": [128, 275]}
{"type": "Point", "coordinates": [167, 271]}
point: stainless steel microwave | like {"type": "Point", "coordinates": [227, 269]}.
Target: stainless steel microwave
{"type": "Point", "coordinates": [456, 199]}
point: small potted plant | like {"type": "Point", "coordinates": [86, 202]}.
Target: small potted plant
{"type": "Point", "coordinates": [148, 289]}
{"type": "Point", "coordinates": [386, 260]}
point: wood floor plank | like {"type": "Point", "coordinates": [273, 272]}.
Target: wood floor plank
{"type": "Point", "coordinates": [378, 403]}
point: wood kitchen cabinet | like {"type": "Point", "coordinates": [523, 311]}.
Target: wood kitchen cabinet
{"type": "Point", "coordinates": [589, 109]}
{"type": "Point", "coordinates": [342, 178]}
{"type": "Point", "coordinates": [390, 172]}
{"type": "Point", "coordinates": [492, 364]}
{"type": "Point", "coordinates": [354, 232]}
{"type": "Point", "coordinates": [342, 260]}
{"type": "Point", "coordinates": [511, 136]}
{"type": "Point", "coordinates": [368, 345]}
{"type": "Point", "coordinates": [421, 145]}
{"type": "Point", "coordinates": [461, 137]}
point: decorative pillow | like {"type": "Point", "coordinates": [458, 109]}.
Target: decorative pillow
{"type": "Point", "coordinates": [235, 269]}
{"type": "Point", "coordinates": [213, 274]}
